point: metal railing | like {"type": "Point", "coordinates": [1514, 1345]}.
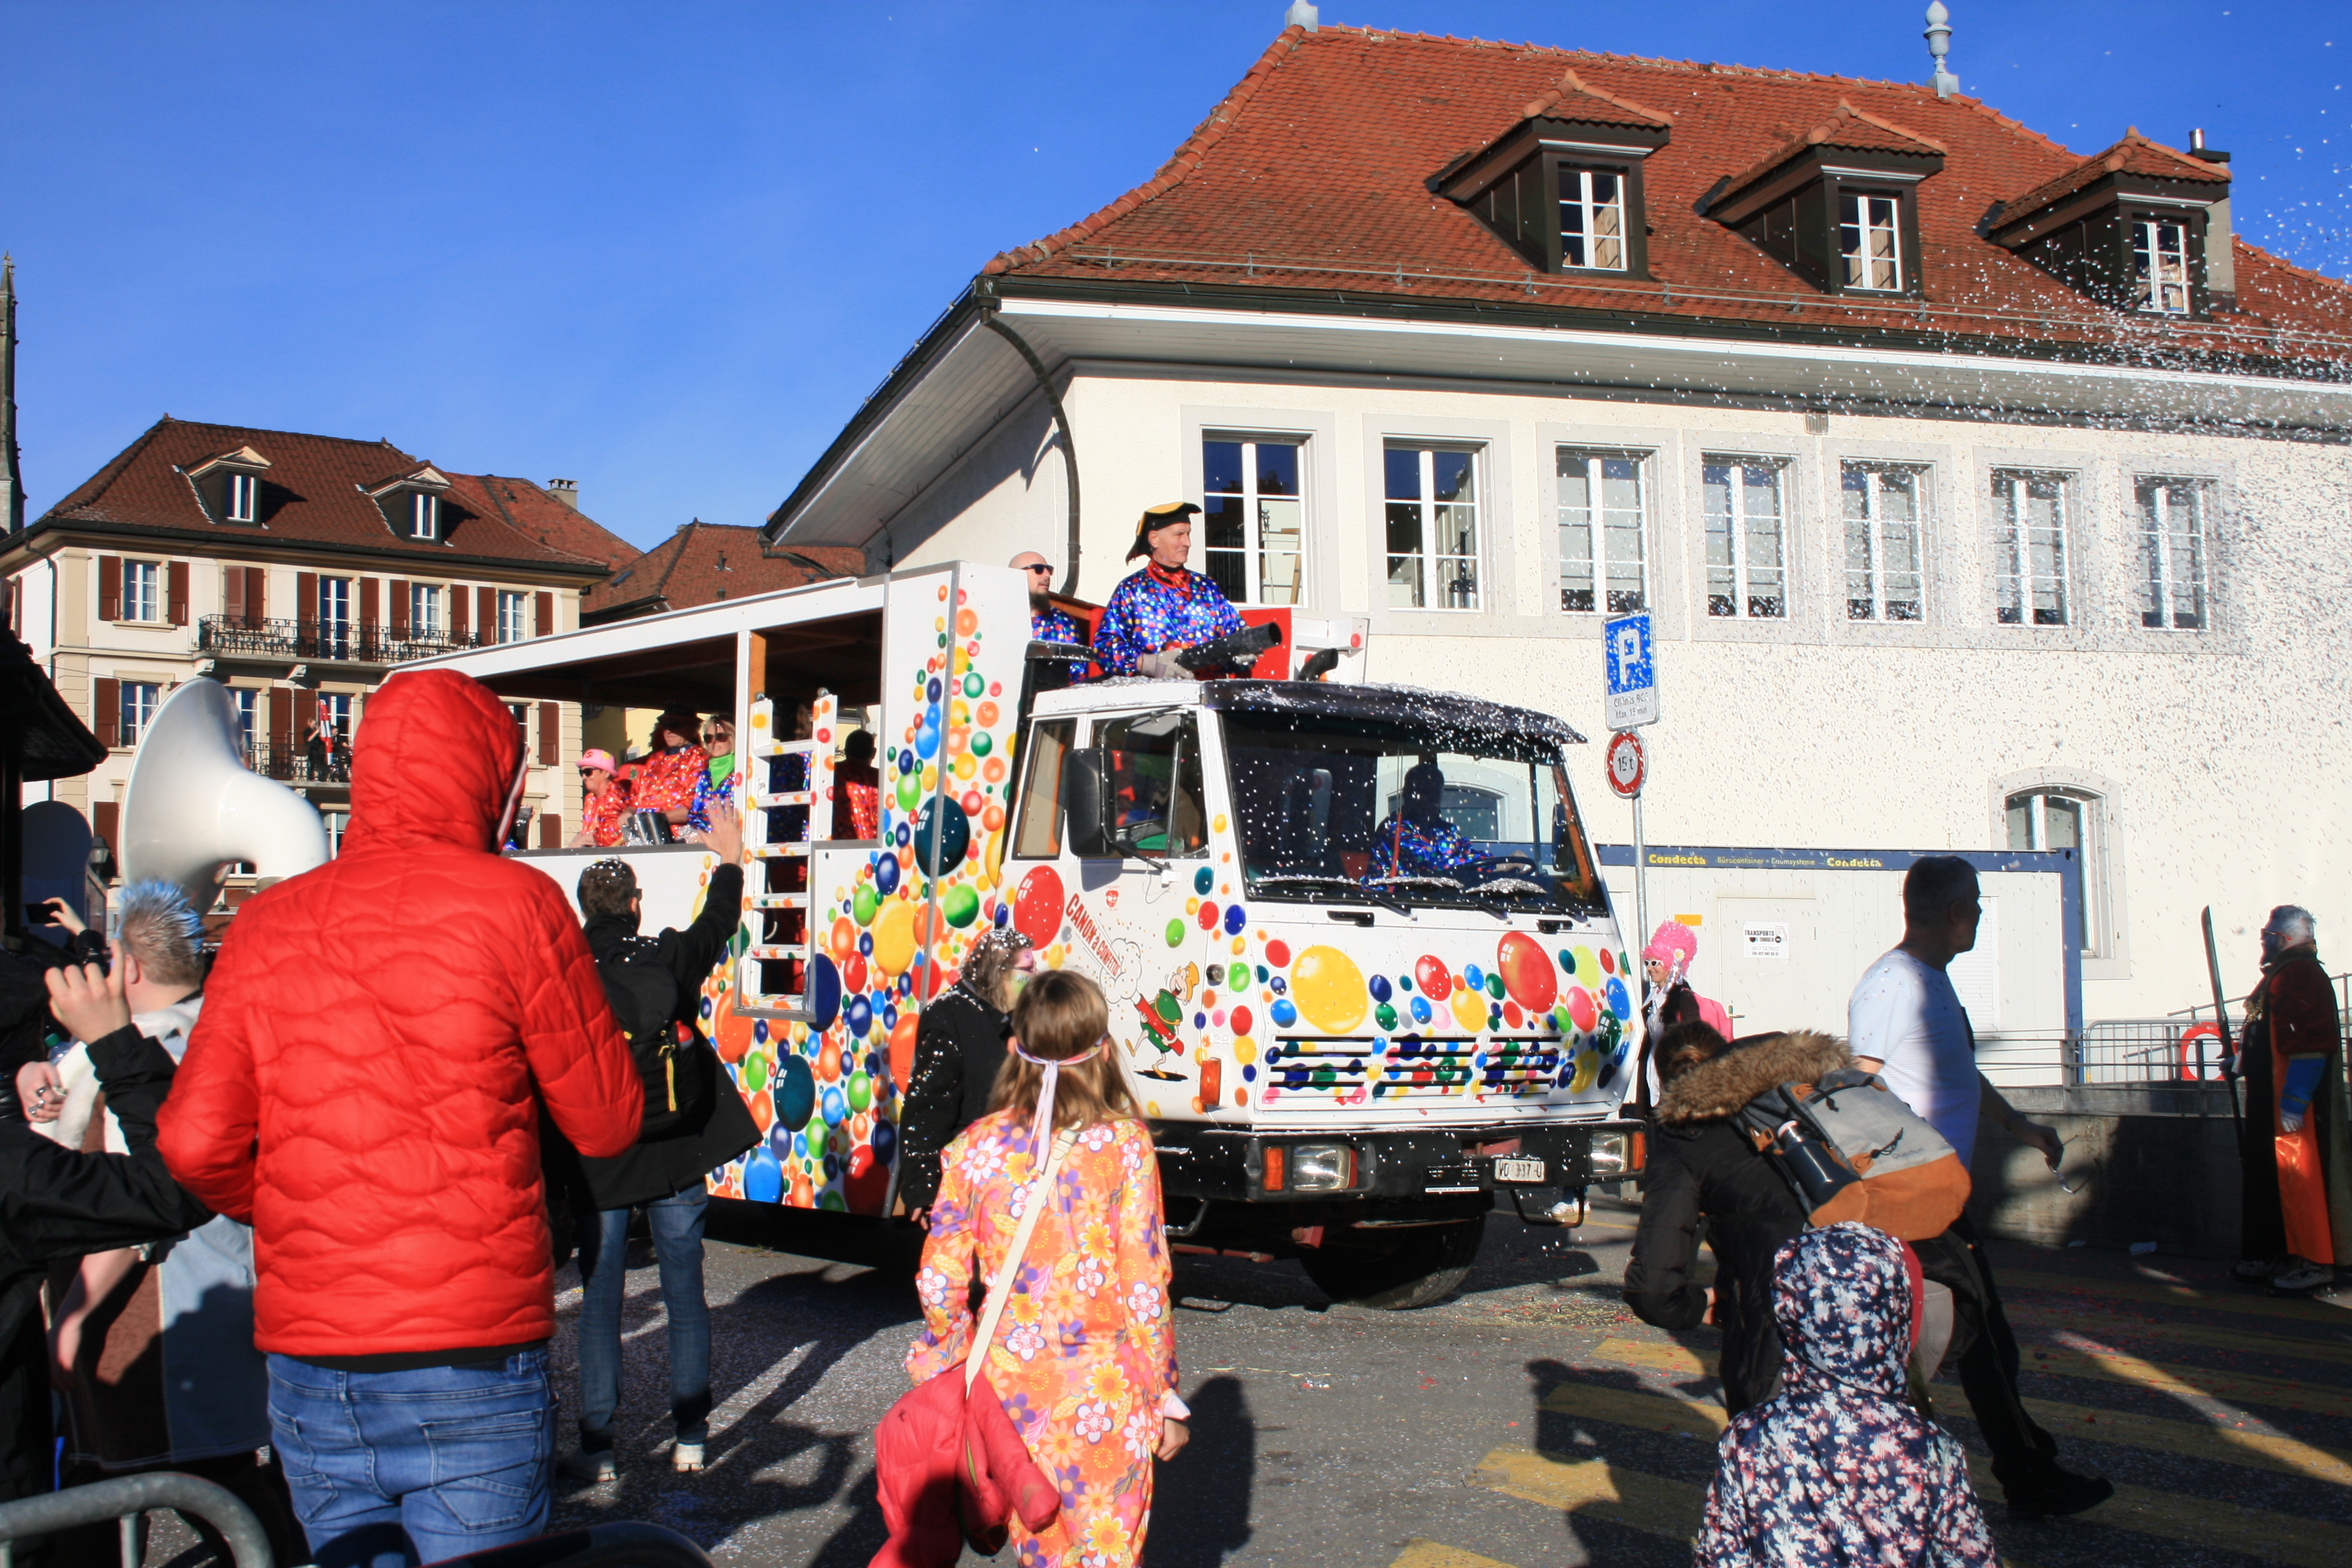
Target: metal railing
{"type": "Point", "coordinates": [356, 642]}
{"type": "Point", "coordinates": [2143, 1050]}
{"type": "Point", "coordinates": [124, 1500]}
{"type": "Point", "coordinates": [298, 765]}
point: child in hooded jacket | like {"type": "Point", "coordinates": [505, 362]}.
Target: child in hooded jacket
{"type": "Point", "coordinates": [1837, 1470]}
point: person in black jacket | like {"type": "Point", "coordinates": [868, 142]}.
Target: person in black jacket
{"type": "Point", "coordinates": [57, 1203]}
{"type": "Point", "coordinates": [1701, 1167]}
{"type": "Point", "coordinates": [958, 1045]}
{"type": "Point", "coordinates": [664, 1172]}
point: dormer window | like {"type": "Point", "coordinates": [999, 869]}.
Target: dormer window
{"type": "Point", "coordinates": [1563, 186]}
{"type": "Point", "coordinates": [2127, 226]}
{"type": "Point", "coordinates": [1837, 205]}
{"type": "Point", "coordinates": [229, 483]}
{"type": "Point", "coordinates": [411, 504]}
{"type": "Point", "coordinates": [424, 515]}
{"type": "Point", "coordinates": [242, 492]}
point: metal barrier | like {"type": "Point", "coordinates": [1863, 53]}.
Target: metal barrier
{"type": "Point", "coordinates": [624, 1543]}
{"type": "Point", "coordinates": [2142, 1050]}
{"type": "Point", "coordinates": [124, 1500]}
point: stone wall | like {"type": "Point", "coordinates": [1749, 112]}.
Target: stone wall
{"type": "Point", "coordinates": [2157, 1163]}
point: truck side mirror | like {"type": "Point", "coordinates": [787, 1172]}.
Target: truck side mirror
{"type": "Point", "coordinates": [1087, 804]}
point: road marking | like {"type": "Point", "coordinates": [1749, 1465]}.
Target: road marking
{"type": "Point", "coordinates": [2247, 1303]}
{"type": "Point", "coordinates": [1433, 1554]}
{"type": "Point", "coordinates": [1652, 1355]}
{"type": "Point", "coordinates": [2293, 1347]}
{"type": "Point", "coordinates": [2204, 1522]}
{"type": "Point", "coordinates": [1597, 1489]}
{"type": "Point", "coordinates": [2193, 1382]}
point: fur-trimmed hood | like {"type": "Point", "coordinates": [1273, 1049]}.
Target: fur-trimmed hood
{"type": "Point", "coordinates": [1718, 1087]}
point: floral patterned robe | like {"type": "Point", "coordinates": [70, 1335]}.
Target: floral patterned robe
{"type": "Point", "coordinates": [1085, 1350]}
{"type": "Point", "coordinates": [671, 781]}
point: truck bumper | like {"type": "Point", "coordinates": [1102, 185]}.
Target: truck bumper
{"type": "Point", "coordinates": [1447, 1171]}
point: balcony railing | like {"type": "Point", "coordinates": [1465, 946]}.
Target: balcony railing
{"type": "Point", "coordinates": [357, 642]}
{"type": "Point", "coordinates": [300, 764]}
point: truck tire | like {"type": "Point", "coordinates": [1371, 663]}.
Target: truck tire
{"type": "Point", "coordinates": [1407, 1268]}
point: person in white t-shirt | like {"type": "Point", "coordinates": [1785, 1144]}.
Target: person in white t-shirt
{"type": "Point", "coordinates": [1905, 1023]}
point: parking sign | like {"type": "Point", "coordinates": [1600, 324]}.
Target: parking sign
{"type": "Point", "coordinates": [1633, 672]}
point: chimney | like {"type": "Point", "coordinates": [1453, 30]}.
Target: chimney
{"type": "Point", "coordinates": [1302, 14]}
{"type": "Point", "coordinates": [1939, 44]}
{"type": "Point", "coordinates": [2220, 258]}
{"type": "Point", "coordinates": [565, 491]}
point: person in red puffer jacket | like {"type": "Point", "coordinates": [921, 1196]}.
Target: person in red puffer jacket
{"type": "Point", "coordinates": [364, 1089]}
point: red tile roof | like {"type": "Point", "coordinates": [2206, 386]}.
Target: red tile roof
{"type": "Point", "coordinates": [2134, 154]}
{"type": "Point", "coordinates": [1575, 100]}
{"type": "Point", "coordinates": [1311, 176]}
{"type": "Point", "coordinates": [311, 494]}
{"type": "Point", "coordinates": [533, 510]}
{"type": "Point", "coordinates": [703, 562]}
{"type": "Point", "coordinates": [1849, 130]}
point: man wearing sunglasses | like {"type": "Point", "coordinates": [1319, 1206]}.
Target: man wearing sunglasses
{"type": "Point", "coordinates": [1048, 621]}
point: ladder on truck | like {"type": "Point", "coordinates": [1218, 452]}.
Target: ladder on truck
{"type": "Point", "coordinates": [786, 784]}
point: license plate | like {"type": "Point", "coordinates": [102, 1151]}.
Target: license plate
{"type": "Point", "coordinates": [1528, 1172]}
{"type": "Point", "coordinates": [1451, 1179]}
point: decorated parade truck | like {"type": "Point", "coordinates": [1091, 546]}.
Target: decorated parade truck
{"type": "Point", "coordinates": [1363, 974]}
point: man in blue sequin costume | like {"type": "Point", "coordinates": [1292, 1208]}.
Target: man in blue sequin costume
{"type": "Point", "coordinates": [1048, 621]}
{"type": "Point", "coordinates": [1417, 841]}
{"type": "Point", "coordinates": [1165, 608]}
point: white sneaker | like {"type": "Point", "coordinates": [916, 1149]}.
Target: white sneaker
{"type": "Point", "coordinates": [2299, 1277]}
{"type": "Point", "coordinates": [686, 1458]}
{"type": "Point", "coordinates": [595, 1467]}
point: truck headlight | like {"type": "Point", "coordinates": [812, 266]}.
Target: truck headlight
{"type": "Point", "coordinates": [1322, 1167]}
{"type": "Point", "coordinates": [1612, 1154]}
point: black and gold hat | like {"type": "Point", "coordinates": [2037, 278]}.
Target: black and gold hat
{"type": "Point", "coordinates": [1156, 518]}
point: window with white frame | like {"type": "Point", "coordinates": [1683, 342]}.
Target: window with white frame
{"type": "Point", "coordinates": [2031, 549]}
{"type": "Point", "coordinates": [1431, 495]}
{"type": "Point", "coordinates": [248, 717]}
{"type": "Point", "coordinates": [2057, 819]}
{"type": "Point", "coordinates": [1886, 577]}
{"type": "Point", "coordinates": [424, 515]}
{"type": "Point", "coordinates": [424, 609]}
{"type": "Point", "coordinates": [335, 617]}
{"type": "Point", "coordinates": [1870, 241]}
{"type": "Point", "coordinates": [1253, 517]}
{"type": "Point", "coordinates": [1592, 219]}
{"type": "Point", "coordinates": [138, 701]}
{"type": "Point", "coordinates": [2172, 540]}
{"type": "Point", "coordinates": [242, 491]}
{"type": "Point", "coordinates": [1603, 529]}
{"type": "Point", "coordinates": [2160, 266]}
{"type": "Point", "coordinates": [1746, 537]}
{"type": "Point", "coordinates": [143, 582]}
{"type": "Point", "coordinates": [513, 613]}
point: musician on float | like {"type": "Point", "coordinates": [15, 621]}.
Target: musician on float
{"type": "Point", "coordinates": [1166, 607]}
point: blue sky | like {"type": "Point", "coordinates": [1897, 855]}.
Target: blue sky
{"type": "Point", "coordinates": [665, 249]}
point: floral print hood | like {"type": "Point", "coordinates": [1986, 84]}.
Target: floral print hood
{"type": "Point", "coordinates": [1844, 1301]}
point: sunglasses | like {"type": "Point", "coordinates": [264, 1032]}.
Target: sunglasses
{"type": "Point", "coordinates": [1041, 566]}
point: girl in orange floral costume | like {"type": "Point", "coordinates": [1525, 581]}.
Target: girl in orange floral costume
{"type": "Point", "coordinates": [1084, 1357]}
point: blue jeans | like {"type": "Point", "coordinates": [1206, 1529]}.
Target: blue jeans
{"type": "Point", "coordinates": [392, 1469]}
{"type": "Point", "coordinates": [676, 1222]}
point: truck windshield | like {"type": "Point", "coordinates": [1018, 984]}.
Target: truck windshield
{"type": "Point", "coordinates": [1337, 808]}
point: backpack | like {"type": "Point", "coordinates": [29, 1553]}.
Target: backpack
{"type": "Point", "coordinates": [1851, 1150]}
{"type": "Point", "coordinates": [644, 995]}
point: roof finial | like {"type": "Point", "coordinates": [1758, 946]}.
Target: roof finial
{"type": "Point", "coordinates": [1302, 14]}
{"type": "Point", "coordinates": [1939, 44]}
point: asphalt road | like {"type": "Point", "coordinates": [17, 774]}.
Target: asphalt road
{"type": "Point", "coordinates": [1528, 1421]}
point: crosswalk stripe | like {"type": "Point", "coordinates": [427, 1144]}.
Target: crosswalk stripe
{"type": "Point", "coordinates": [1434, 1554]}
{"type": "Point", "coordinates": [1615, 1492]}
{"type": "Point", "coordinates": [1651, 1355]}
{"type": "Point", "coordinates": [2293, 1347]}
{"type": "Point", "coordinates": [2240, 1301]}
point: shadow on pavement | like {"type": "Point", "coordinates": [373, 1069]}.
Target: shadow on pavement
{"type": "Point", "coordinates": [1201, 1503]}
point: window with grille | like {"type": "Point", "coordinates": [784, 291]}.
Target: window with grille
{"type": "Point", "coordinates": [2030, 548]}
{"type": "Point", "coordinates": [2172, 540]}
{"type": "Point", "coordinates": [1747, 538]}
{"type": "Point", "coordinates": [1592, 219]}
{"type": "Point", "coordinates": [424, 515]}
{"type": "Point", "coordinates": [2072, 819]}
{"type": "Point", "coordinates": [142, 597]}
{"type": "Point", "coordinates": [242, 491]}
{"type": "Point", "coordinates": [424, 609]}
{"type": "Point", "coordinates": [138, 701]}
{"type": "Point", "coordinates": [1603, 529]}
{"type": "Point", "coordinates": [513, 617]}
{"type": "Point", "coordinates": [1885, 576]}
{"type": "Point", "coordinates": [1870, 241]}
{"type": "Point", "coordinates": [2160, 266]}
{"type": "Point", "coordinates": [1433, 527]}
{"type": "Point", "coordinates": [1253, 517]}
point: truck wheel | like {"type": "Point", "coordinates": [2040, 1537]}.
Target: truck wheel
{"type": "Point", "coordinates": [1407, 1268]}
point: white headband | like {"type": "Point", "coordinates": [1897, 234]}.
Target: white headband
{"type": "Point", "coordinates": [1043, 1126]}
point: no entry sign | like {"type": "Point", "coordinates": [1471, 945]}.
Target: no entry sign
{"type": "Point", "coordinates": [1627, 766]}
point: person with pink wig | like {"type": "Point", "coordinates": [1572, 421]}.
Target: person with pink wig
{"type": "Point", "coordinates": [1668, 997]}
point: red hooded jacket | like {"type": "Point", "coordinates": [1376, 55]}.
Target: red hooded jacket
{"type": "Point", "coordinates": [378, 1036]}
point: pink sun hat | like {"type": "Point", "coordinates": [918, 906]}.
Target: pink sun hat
{"type": "Point", "coordinates": [597, 758]}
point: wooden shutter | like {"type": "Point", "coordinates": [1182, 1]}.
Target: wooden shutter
{"type": "Point", "coordinates": [542, 622]}
{"type": "Point", "coordinates": [175, 596]}
{"type": "Point", "coordinates": [233, 594]}
{"type": "Point", "coordinates": [459, 603]}
{"type": "Point", "coordinates": [551, 734]}
{"type": "Point", "coordinates": [109, 588]}
{"type": "Point", "coordinates": [399, 607]}
{"type": "Point", "coordinates": [306, 595]}
{"type": "Point", "coordinates": [106, 708]}
{"type": "Point", "coordinates": [281, 723]}
{"type": "Point", "coordinates": [551, 830]}
{"type": "Point", "coordinates": [485, 612]}
{"type": "Point", "coordinates": [256, 594]}
{"type": "Point", "coordinates": [368, 617]}
{"type": "Point", "coordinates": [105, 818]}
